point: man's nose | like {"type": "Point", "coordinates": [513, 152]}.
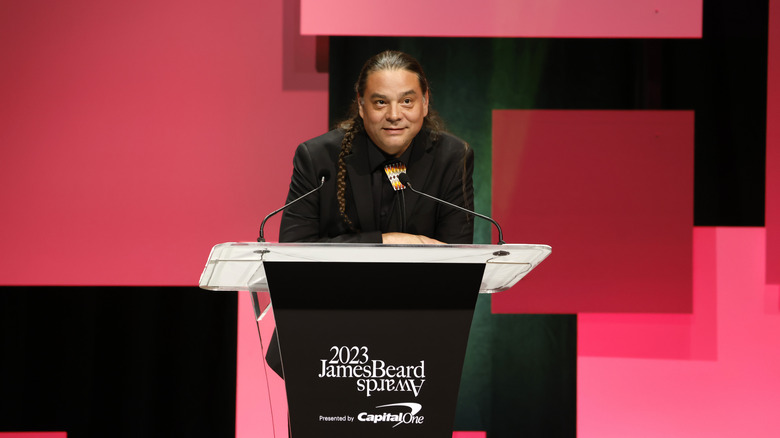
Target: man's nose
{"type": "Point", "coordinates": [393, 112]}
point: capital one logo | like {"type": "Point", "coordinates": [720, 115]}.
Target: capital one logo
{"type": "Point", "coordinates": [409, 417]}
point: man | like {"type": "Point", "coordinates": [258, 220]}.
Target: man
{"type": "Point", "coordinates": [391, 122]}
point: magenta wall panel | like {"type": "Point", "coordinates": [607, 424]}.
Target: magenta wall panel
{"type": "Point", "coordinates": [731, 393]}
{"type": "Point", "coordinates": [665, 335]}
{"type": "Point", "coordinates": [135, 136]}
{"type": "Point", "coordinates": [612, 193]}
{"type": "Point", "coordinates": [505, 18]}
{"type": "Point", "coordinates": [773, 148]}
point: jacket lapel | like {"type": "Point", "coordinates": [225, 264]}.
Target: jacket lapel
{"type": "Point", "coordinates": [360, 182]}
{"type": "Point", "coordinates": [419, 167]}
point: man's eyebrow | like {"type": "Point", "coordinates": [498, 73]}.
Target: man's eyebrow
{"type": "Point", "coordinates": [382, 96]}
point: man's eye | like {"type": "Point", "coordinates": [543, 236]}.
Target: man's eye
{"type": "Point", "coordinates": [407, 101]}
{"type": "Point", "coordinates": [380, 102]}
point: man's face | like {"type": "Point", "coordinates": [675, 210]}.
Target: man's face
{"type": "Point", "coordinates": [393, 108]}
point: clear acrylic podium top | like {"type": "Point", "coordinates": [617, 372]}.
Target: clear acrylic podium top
{"type": "Point", "coordinates": [238, 266]}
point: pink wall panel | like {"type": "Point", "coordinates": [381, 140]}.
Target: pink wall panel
{"type": "Point", "coordinates": [137, 135]}
{"type": "Point", "coordinates": [505, 18]}
{"type": "Point", "coordinates": [733, 393]}
{"type": "Point", "coordinates": [261, 403]}
{"type": "Point", "coordinates": [612, 193]}
{"type": "Point", "coordinates": [773, 147]}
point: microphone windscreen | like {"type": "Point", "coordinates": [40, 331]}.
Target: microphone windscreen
{"type": "Point", "coordinates": [404, 178]}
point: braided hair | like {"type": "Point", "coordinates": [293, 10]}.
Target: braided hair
{"type": "Point", "coordinates": [387, 60]}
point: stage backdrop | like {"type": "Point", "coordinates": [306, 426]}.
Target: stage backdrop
{"type": "Point", "coordinates": [135, 136]}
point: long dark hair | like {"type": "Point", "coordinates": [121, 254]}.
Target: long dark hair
{"type": "Point", "coordinates": [353, 124]}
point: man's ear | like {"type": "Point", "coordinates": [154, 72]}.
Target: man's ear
{"type": "Point", "coordinates": [425, 104]}
{"type": "Point", "coordinates": [360, 106]}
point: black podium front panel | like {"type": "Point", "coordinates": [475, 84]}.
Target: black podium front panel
{"type": "Point", "coordinates": [372, 349]}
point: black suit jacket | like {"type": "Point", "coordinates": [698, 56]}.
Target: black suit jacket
{"type": "Point", "coordinates": [442, 167]}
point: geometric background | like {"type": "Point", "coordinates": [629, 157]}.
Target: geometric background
{"type": "Point", "coordinates": [135, 136]}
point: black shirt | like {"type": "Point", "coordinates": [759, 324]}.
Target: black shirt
{"type": "Point", "coordinates": [385, 197]}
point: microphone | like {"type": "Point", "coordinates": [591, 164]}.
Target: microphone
{"type": "Point", "coordinates": [404, 179]}
{"type": "Point", "coordinates": [324, 175]}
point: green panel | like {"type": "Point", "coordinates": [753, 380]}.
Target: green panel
{"type": "Point", "coordinates": [520, 375]}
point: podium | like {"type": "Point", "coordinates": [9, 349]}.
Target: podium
{"type": "Point", "coordinates": [372, 337]}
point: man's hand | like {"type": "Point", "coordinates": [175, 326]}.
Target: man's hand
{"type": "Point", "coordinates": [409, 239]}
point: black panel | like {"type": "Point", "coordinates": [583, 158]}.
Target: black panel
{"type": "Point", "coordinates": [388, 285]}
{"type": "Point", "coordinates": [118, 361]}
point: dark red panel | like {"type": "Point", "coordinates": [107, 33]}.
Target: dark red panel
{"type": "Point", "coordinates": [773, 149]}
{"type": "Point", "coordinates": [612, 193]}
